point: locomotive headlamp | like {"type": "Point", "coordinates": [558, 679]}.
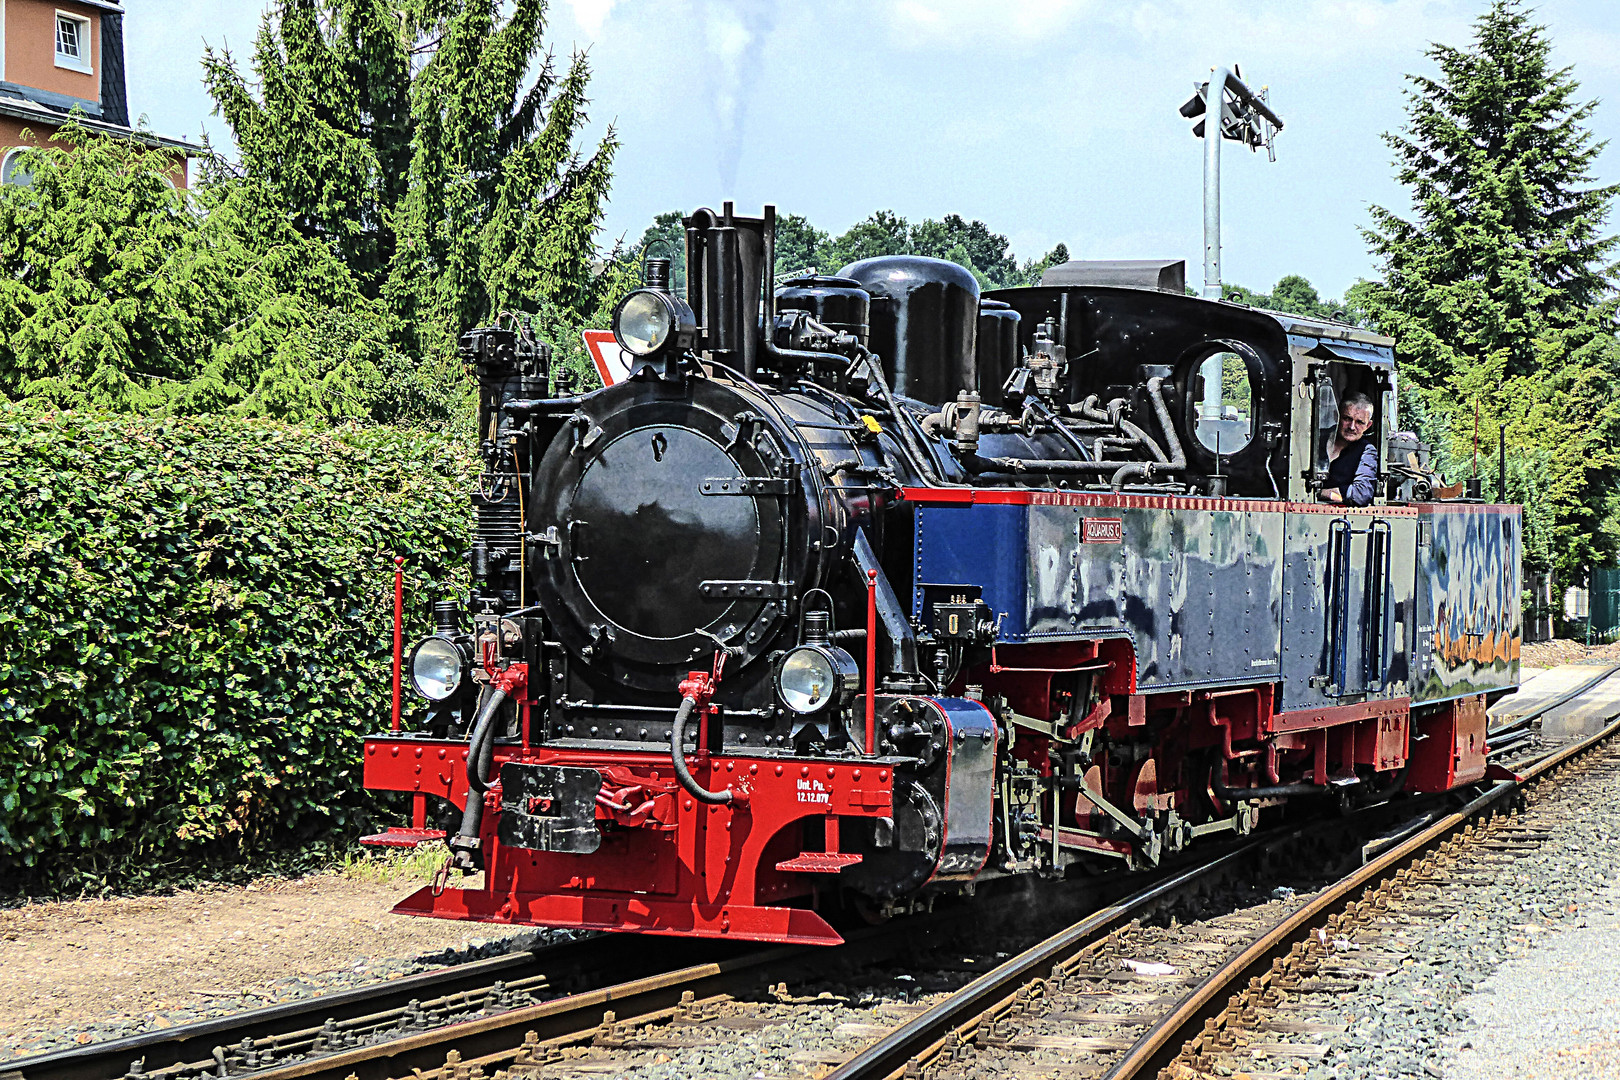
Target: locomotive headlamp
{"type": "Point", "coordinates": [436, 668]}
{"type": "Point", "coordinates": [649, 320]}
{"type": "Point", "coordinates": [814, 676]}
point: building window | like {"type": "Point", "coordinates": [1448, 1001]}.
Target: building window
{"type": "Point", "coordinates": [12, 172]}
{"type": "Point", "coordinates": [72, 42]}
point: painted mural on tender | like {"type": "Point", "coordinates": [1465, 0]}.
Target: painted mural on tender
{"type": "Point", "coordinates": [1469, 602]}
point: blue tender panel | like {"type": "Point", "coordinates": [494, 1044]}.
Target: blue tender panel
{"type": "Point", "coordinates": [1196, 586]}
{"type": "Point", "coordinates": [976, 545]}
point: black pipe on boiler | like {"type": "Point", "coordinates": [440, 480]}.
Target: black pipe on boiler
{"type": "Point", "coordinates": [480, 756]}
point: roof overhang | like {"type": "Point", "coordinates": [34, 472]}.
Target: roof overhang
{"type": "Point", "coordinates": [1166, 275]}
{"type": "Point", "coordinates": [1324, 328]}
{"type": "Point", "coordinates": [23, 109]}
{"type": "Point", "coordinates": [1354, 352]}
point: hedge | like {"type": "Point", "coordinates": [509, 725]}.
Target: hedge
{"type": "Point", "coordinates": [195, 630]}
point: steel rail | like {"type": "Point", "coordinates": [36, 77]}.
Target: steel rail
{"type": "Point", "coordinates": [505, 1035]}
{"type": "Point", "coordinates": [551, 1020]}
{"type": "Point", "coordinates": [923, 1035]}
{"type": "Point", "coordinates": [195, 1042]}
{"type": "Point", "coordinates": [194, 1049]}
{"type": "Point", "coordinates": [1160, 1042]}
{"type": "Point", "coordinates": [494, 1044]}
{"type": "Point", "coordinates": [1519, 721]}
{"type": "Point", "coordinates": [188, 1042]}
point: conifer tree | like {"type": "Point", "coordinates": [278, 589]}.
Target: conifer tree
{"type": "Point", "coordinates": [432, 145]}
{"type": "Point", "coordinates": [1499, 286]}
{"type": "Point", "coordinates": [119, 292]}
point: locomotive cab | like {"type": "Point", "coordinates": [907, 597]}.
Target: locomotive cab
{"type": "Point", "coordinates": [870, 589]}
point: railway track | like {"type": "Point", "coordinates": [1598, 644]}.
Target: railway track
{"type": "Point", "coordinates": [1115, 999]}
{"type": "Point", "coordinates": [293, 1029]}
{"type": "Point", "coordinates": [1117, 990]}
{"type": "Point", "coordinates": [1514, 736]}
{"type": "Point", "coordinates": [527, 1013]}
{"type": "Point", "coordinates": [611, 993]}
{"type": "Point", "coordinates": [557, 996]}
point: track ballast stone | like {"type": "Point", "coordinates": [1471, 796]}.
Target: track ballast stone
{"type": "Point", "coordinates": [1471, 997]}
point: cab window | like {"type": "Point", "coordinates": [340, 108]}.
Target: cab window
{"type": "Point", "coordinates": [1223, 403]}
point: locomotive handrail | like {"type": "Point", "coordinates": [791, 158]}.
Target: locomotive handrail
{"type": "Point", "coordinates": [1375, 653]}
{"type": "Point", "coordinates": [1338, 604]}
{"type": "Point", "coordinates": [1090, 665]}
{"type": "Point", "coordinates": [902, 422]}
{"type": "Point", "coordinates": [539, 404]}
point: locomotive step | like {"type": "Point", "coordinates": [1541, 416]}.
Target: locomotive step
{"type": "Point", "coordinates": [819, 862]}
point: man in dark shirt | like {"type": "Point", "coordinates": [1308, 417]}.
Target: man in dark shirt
{"type": "Point", "coordinates": [1352, 457]}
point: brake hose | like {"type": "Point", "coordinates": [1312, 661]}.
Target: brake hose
{"type": "Point", "coordinates": [480, 754]}
{"type": "Point", "coordinates": [677, 755]}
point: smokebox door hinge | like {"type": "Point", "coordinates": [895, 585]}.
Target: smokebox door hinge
{"type": "Point", "coordinates": [747, 485]}
{"type": "Point", "coordinates": [727, 590]}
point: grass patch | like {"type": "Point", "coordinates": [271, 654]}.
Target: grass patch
{"type": "Point", "coordinates": [389, 866]}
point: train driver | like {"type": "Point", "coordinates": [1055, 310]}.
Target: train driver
{"type": "Point", "coordinates": [1352, 457]}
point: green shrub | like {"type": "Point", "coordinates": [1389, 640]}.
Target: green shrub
{"type": "Point", "coordinates": [195, 629]}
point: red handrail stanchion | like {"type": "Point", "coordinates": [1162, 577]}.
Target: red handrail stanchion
{"type": "Point", "coordinates": [871, 661]}
{"type": "Point", "coordinates": [399, 629]}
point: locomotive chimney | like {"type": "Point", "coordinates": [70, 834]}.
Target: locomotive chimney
{"type": "Point", "coordinates": [725, 276]}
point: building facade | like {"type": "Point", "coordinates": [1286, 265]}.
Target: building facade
{"type": "Point", "coordinates": [62, 56]}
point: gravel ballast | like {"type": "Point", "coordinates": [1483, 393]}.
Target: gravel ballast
{"type": "Point", "coordinates": [1523, 980]}
{"type": "Point", "coordinates": [1553, 1013]}
{"type": "Point", "coordinates": [86, 971]}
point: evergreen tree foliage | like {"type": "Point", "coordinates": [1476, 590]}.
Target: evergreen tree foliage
{"type": "Point", "coordinates": [118, 291]}
{"type": "Point", "coordinates": [1292, 294]}
{"type": "Point", "coordinates": [801, 246]}
{"type": "Point", "coordinates": [410, 138]}
{"type": "Point", "coordinates": [1499, 286]}
{"type": "Point", "coordinates": [329, 134]}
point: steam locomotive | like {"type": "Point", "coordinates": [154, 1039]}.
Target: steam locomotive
{"type": "Point", "coordinates": [868, 588]}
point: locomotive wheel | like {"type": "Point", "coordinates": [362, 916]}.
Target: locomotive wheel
{"type": "Point", "coordinates": [869, 910]}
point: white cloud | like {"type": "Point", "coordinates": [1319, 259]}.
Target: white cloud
{"type": "Point", "coordinates": [969, 22]}
{"type": "Point", "coordinates": [591, 14]}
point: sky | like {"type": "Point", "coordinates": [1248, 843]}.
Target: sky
{"type": "Point", "coordinates": [1050, 120]}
